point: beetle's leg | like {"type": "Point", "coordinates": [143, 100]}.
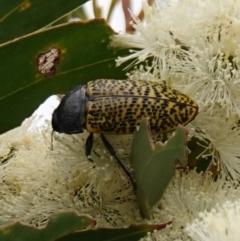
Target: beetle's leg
{"type": "Point", "coordinates": [88, 146]}
{"type": "Point", "coordinates": [113, 153]}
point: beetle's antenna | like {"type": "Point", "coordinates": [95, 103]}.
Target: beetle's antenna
{"type": "Point", "coordinates": [52, 140]}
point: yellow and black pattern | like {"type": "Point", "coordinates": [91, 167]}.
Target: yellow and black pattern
{"type": "Point", "coordinates": [117, 106]}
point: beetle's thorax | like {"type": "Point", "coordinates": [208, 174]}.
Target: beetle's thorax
{"type": "Point", "coordinates": [69, 116]}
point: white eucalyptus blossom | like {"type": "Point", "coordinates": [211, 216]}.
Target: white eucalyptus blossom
{"type": "Point", "coordinates": [35, 181]}
{"type": "Point", "coordinates": [188, 194]}
{"type": "Point", "coordinates": [219, 224]}
{"type": "Point", "coordinates": [219, 137]}
{"type": "Point", "coordinates": [195, 45]}
{"type": "Point", "coordinates": [167, 234]}
{"type": "Point", "coordinates": [195, 48]}
{"type": "Point", "coordinates": [155, 40]}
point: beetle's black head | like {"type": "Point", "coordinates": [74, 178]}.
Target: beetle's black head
{"type": "Point", "coordinates": [69, 116]}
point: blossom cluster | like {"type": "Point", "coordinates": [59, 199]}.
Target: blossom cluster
{"type": "Point", "coordinates": [194, 46]}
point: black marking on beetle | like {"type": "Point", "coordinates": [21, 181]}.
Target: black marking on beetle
{"type": "Point", "coordinates": [47, 62]}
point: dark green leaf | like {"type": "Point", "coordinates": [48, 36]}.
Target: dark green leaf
{"type": "Point", "coordinates": [85, 55]}
{"type": "Point", "coordinates": [132, 233]}
{"type": "Point", "coordinates": [154, 165]}
{"type": "Point", "coordinates": [194, 161]}
{"type": "Point", "coordinates": [59, 225]}
{"type": "Point", "coordinates": [18, 17]}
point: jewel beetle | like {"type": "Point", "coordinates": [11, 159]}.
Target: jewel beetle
{"type": "Point", "coordinates": [117, 107]}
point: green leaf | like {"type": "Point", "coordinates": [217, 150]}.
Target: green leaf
{"type": "Point", "coordinates": [84, 55]}
{"type": "Point", "coordinates": [154, 165]}
{"type": "Point", "coordinates": [19, 17]}
{"type": "Point", "coordinates": [195, 160]}
{"type": "Point", "coordinates": [132, 233]}
{"type": "Point", "coordinates": [59, 225]}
